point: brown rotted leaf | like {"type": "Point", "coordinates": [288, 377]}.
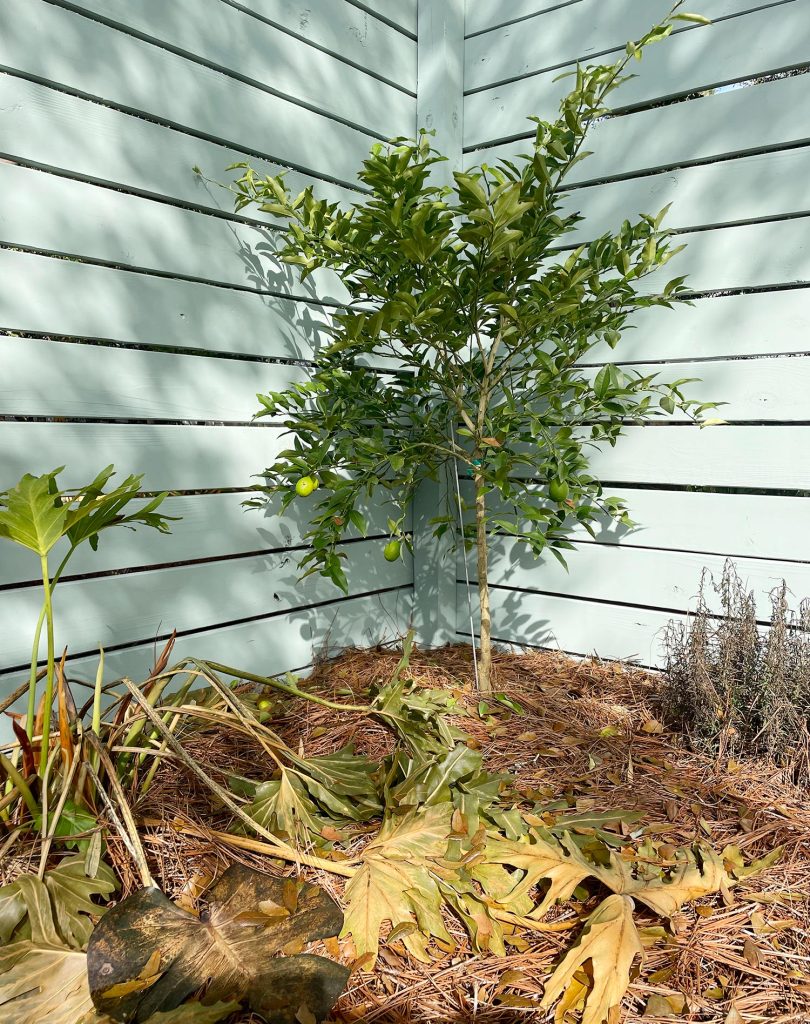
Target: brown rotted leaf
{"type": "Point", "coordinates": [148, 955]}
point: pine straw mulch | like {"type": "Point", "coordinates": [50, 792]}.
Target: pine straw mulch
{"type": "Point", "coordinates": [583, 738]}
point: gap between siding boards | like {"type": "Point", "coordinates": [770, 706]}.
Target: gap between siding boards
{"type": "Point", "coordinates": [334, 53]}
{"type": "Point", "coordinates": [166, 274]}
{"type": "Point", "coordinates": [182, 129]}
{"type": "Point", "coordinates": [161, 638]}
{"type": "Point", "coordinates": [656, 670]}
{"type": "Point", "coordinates": [686, 97]}
{"type": "Point", "coordinates": [194, 58]}
{"type": "Point", "coordinates": [159, 566]}
{"type": "Point", "coordinates": [572, 62]}
{"type": "Point", "coordinates": [681, 551]}
{"type": "Point", "coordinates": [602, 601]}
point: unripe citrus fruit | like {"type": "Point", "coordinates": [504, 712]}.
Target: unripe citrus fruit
{"type": "Point", "coordinates": [305, 486]}
{"type": "Point", "coordinates": [265, 704]}
{"type": "Point", "coordinates": [558, 490]}
{"type": "Point", "coordinates": [391, 550]}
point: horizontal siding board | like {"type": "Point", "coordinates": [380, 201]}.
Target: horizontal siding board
{"type": "Point", "coordinates": [349, 30]}
{"type": "Point", "coordinates": [712, 127]}
{"type": "Point", "coordinates": [751, 323]}
{"type": "Point", "coordinates": [52, 44]}
{"type": "Point", "coordinates": [171, 457]}
{"type": "Point", "coordinates": [118, 609]}
{"type": "Point", "coordinates": [131, 231]}
{"type": "Point", "coordinates": [666, 580]}
{"type": "Point", "coordinates": [580, 32]}
{"type": "Point", "coordinates": [751, 389]}
{"type": "Point", "coordinates": [54, 129]}
{"type": "Point", "coordinates": [227, 37]}
{"type": "Point", "coordinates": [208, 526]}
{"type": "Point", "coordinates": [773, 457]}
{"type": "Point", "coordinates": [55, 296]}
{"type": "Point", "coordinates": [149, 385]}
{"type": "Point", "coordinates": [291, 640]}
{"type": "Point", "coordinates": [751, 188]}
{"type": "Point", "coordinates": [485, 15]}
{"type": "Point", "coordinates": [399, 12]}
{"type": "Point", "coordinates": [758, 43]}
{"type": "Point", "coordinates": [737, 525]}
{"type": "Point", "coordinates": [747, 256]}
{"type": "Point", "coordinates": [579, 627]}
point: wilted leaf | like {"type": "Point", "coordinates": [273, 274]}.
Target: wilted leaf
{"type": "Point", "coordinates": [698, 872]}
{"type": "Point", "coordinates": [673, 1005]}
{"type": "Point", "coordinates": [41, 979]}
{"type": "Point", "coordinates": [41, 983]}
{"type": "Point", "coordinates": [610, 942]}
{"type": "Point", "coordinates": [395, 883]}
{"type": "Point", "coordinates": [228, 951]}
{"type": "Point", "coordinates": [194, 1013]}
{"type": "Point", "coordinates": [70, 892]}
{"type": "Point", "coordinates": [540, 857]}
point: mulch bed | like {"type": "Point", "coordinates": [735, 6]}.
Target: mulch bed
{"type": "Point", "coordinates": [587, 736]}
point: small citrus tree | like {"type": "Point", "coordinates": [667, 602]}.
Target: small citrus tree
{"type": "Point", "coordinates": [487, 315]}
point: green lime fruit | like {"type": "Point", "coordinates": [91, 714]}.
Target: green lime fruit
{"type": "Point", "coordinates": [305, 486]}
{"type": "Point", "coordinates": [558, 490]}
{"type": "Point", "coordinates": [391, 550]}
{"type": "Point", "coordinates": [265, 704]}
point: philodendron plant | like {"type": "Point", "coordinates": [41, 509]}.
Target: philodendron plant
{"type": "Point", "coordinates": [489, 314]}
{"type": "Point", "coordinates": [37, 515]}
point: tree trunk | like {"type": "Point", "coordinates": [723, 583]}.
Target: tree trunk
{"type": "Point", "coordinates": [485, 648]}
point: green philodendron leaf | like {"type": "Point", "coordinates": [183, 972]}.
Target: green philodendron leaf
{"type": "Point", "coordinates": [70, 892]}
{"type": "Point", "coordinates": [32, 515]}
{"type": "Point", "coordinates": [73, 820]}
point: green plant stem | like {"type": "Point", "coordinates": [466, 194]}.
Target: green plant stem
{"type": "Point", "coordinates": [95, 724]}
{"type": "Point", "coordinates": [485, 665]}
{"type": "Point", "coordinates": [32, 679]}
{"type": "Point", "coordinates": [20, 784]}
{"type": "Point", "coordinates": [46, 714]}
{"type": "Point", "coordinates": [293, 691]}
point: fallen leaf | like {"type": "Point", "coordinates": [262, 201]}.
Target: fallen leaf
{"type": "Point", "coordinates": [610, 942]}
{"type": "Point", "coordinates": [751, 952]}
{"type": "Point", "coordinates": [652, 726]}
{"type": "Point", "coordinates": [673, 1005]}
{"type": "Point", "coordinates": [224, 952]}
{"type": "Point", "coordinates": [394, 882]}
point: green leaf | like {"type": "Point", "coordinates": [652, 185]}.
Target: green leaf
{"type": "Point", "coordinates": [71, 908]}
{"type": "Point", "coordinates": [698, 19]}
{"type": "Point", "coordinates": [32, 515]}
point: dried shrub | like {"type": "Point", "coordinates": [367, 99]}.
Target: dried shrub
{"type": "Point", "coordinates": [733, 684]}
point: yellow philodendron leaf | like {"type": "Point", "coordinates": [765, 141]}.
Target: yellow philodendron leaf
{"type": "Point", "coordinates": [43, 983]}
{"type": "Point", "coordinates": [542, 857]}
{"type": "Point", "coordinates": [395, 883]}
{"type": "Point", "coordinates": [610, 942]}
{"type": "Point", "coordinates": [699, 871]}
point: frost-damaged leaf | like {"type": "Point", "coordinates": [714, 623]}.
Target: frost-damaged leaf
{"type": "Point", "coordinates": [542, 858]}
{"type": "Point", "coordinates": [70, 890]}
{"type": "Point", "coordinates": [698, 871]}
{"type": "Point", "coordinates": [41, 979]}
{"type": "Point", "coordinates": [148, 955]}
{"type": "Point", "coordinates": [191, 1013]}
{"type": "Point", "coordinates": [43, 983]}
{"type": "Point", "coordinates": [396, 883]}
{"type": "Point", "coordinates": [606, 949]}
